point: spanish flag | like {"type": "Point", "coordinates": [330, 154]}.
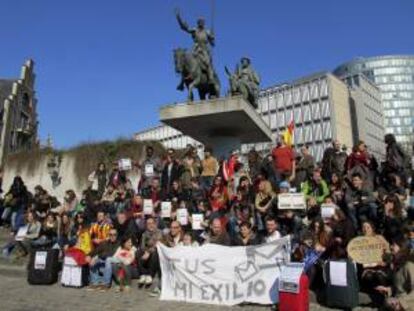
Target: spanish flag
{"type": "Point", "coordinates": [288, 134]}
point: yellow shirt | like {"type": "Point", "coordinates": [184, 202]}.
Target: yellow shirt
{"type": "Point", "coordinates": [210, 166]}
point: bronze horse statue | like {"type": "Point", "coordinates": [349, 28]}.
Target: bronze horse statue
{"type": "Point", "coordinates": [193, 76]}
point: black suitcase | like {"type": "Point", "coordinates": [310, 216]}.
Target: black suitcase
{"type": "Point", "coordinates": [344, 295]}
{"type": "Point", "coordinates": [43, 267]}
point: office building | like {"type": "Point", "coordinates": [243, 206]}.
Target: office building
{"type": "Point", "coordinates": [394, 75]}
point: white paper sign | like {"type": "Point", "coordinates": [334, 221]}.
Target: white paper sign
{"type": "Point", "coordinates": [298, 201]}
{"type": "Point", "coordinates": [148, 207]}
{"type": "Point", "coordinates": [327, 210]}
{"type": "Point", "coordinates": [125, 164]}
{"type": "Point", "coordinates": [291, 201]}
{"type": "Point", "coordinates": [71, 273]}
{"type": "Point", "coordinates": [166, 209]}
{"type": "Point", "coordinates": [290, 278]}
{"type": "Point", "coordinates": [149, 169]}
{"type": "Point", "coordinates": [228, 275]}
{"type": "Point", "coordinates": [197, 221]}
{"type": "Point", "coordinates": [21, 233]}
{"type": "Point", "coordinates": [337, 273]}
{"type": "Point", "coordinates": [40, 260]}
{"type": "Point", "coordinates": [182, 216]}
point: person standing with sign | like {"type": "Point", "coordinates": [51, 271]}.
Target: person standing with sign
{"type": "Point", "coordinates": [150, 168]}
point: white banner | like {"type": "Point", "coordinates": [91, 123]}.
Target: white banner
{"type": "Point", "coordinates": [222, 275]}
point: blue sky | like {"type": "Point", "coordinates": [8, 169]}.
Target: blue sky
{"type": "Point", "coordinates": [105, 67]}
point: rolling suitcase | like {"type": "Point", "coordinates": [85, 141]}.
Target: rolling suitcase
{"type": "Point", "coordinates": [74, 275]}
{"type": "Point", "coordinates": [342, 287]}
{"type": "Point", "coordinates": [43, 267]}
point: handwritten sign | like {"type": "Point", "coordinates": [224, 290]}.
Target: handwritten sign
{"type": "Point", "coordinates": [148, 207]}
{"type": "Point", "coordinates": [40, 260]}
{"type": "Point", "coordinates": [291, 201]}
{"type": "Point", "coordinates": [367, 250]}
{"type": "Point", "coordinates": [125, 164]}
{"type": "Point", "coordinates": [197, 221]}
{"type": "Point", "coordinates": [149, 169]}
{"type": "Point", "coordinates": [182, 216]}
{"type": "Point", "coordinates": [223, 275]}
{"type": "Point", "coordinates": [166, 209]}
{"type": "Point", "coordinates": [327, 210]}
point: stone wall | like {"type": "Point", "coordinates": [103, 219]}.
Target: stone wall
{"type": "Point", "coordinates": [75, 166]}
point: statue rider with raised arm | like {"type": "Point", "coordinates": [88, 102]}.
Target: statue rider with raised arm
{"type": "Point", "coordinates": [202, 38]}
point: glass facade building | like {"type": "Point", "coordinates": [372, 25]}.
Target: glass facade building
{"type": "Point", "coordinates": [394, 75]}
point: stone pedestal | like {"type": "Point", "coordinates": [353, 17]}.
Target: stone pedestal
{"type": "Point", "coordinates": [223, 123]}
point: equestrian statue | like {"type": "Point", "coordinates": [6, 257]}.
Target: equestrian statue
{"type": "Point", "coordinates": [196, 66]}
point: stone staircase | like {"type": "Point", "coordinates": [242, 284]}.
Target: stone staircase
{"type": "Point", "coordinates": [11, 266]}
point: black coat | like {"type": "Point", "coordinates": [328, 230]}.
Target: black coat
{"type": "Point", "coordinates": [167, 180]}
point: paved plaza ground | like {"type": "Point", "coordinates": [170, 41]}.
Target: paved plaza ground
{"type": "Point", "coordinates": [17, 295]}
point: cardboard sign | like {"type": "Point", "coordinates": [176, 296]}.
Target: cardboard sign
{"type": "Point", "coordinates": [40, 260]}
{"type": "Point", "coordinates": [166, 209]}
{"type": "Point", "coordinates": [197, 221]}
{"type": "Point", "coordinates": [125, 164]}
{"type": "Point", "coordinates": [149, 169]}
{"type": "Point", "coordinates": [21, 233]}
{"type": "Point", "coordinates": [291, 201]}
{"type": "Point", "coordinates": [182, 216]}
{"type": "Point", "coordinates": [290, 277]}
{"type": "Point", "coordinates": [327, 210]}
{"type": "Point", "coordinates": [148, 207]}
{"type": "Point", "coordinates": [367, 250]}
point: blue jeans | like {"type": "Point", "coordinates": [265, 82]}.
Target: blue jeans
{"type": "Point", "coordinates": [101, 272]}
{"type": "Point", "coordinates": [17, 219]}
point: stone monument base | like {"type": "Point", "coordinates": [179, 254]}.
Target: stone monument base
{"type": "Point", "coordinates": [223, 124]}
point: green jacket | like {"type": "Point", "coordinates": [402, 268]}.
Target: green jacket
{"type": "Point", "coordinates": [319, 192]}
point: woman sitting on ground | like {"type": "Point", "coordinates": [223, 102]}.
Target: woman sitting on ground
{"type": "Point", "coordinates": [401, 293]}
{"type": "Point", "coordinates": [32, 234]}
{"type": "Point", "coordinates": [376, 273]}
{"type": "Point", "coordinates": [65, 231]}
{"type": "Point", "coordinates": [124, 261]}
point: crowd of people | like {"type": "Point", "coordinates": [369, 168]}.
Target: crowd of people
{"type": "Point", "coordinates": [110, 224]}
